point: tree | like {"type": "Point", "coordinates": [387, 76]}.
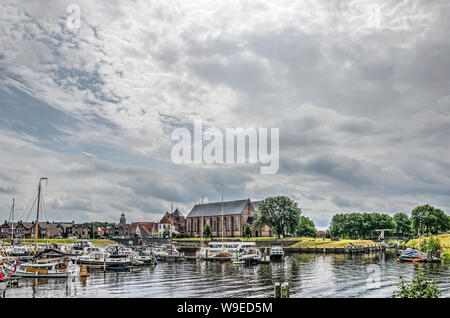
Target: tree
{"type": "Point", "coordinates": [166, 233]}
{"type": "Point", "coordinates": [359, 225]}
{"type": "Point", "coordinates": [305, 227]}
{"type": "Point", "coordinates": [428, 219]}
{"type": "Point", "coordinates": [247, 231]}
{"type": "Point", "coordinates": [420, 287]}
{"type": "Point", "coordinates": [402, 224]}
{"type": "Point", "coordinates": [280, 213]}
{"type": "Point", "coordinates": [207, 231]}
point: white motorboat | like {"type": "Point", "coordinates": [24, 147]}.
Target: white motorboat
{"type": "Point", "coordinates": [17, 250]}
{"type": "Point", "coordinates": [142, 257]}
{"type": "Point", "coordinates": [276, 253]}
{"type": "Point", "coordinates": [250, 255]}
{"type": "Point", "coordinates": [216, 248]}
{"type": "Point", "coordinates": [103, 260]}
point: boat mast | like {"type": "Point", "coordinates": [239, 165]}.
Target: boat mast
{"type": "Point", "coordinates": [37, 217]}
{"type": "Point", "coordinates": [201, 232]}
{"type": "Point", "coordinates": [171, 225]}
{"type": "Point", "coordinates": [12, 222]}
{"type": "Point", "coordinates": [222, 221]}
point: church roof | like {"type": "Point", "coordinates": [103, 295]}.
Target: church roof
{"type": "Point", "coordinates": [177, 213]}
{"type": "Point", "coordinates": [215, 208]}
{"type": "Point", "coordinates": [256, 205]}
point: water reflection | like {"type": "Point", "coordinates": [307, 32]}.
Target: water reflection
{"type": "Point", "coordinates": [309, 275]}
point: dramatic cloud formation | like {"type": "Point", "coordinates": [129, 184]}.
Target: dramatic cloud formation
{"type": "Point", "coordinates": [360, 92]}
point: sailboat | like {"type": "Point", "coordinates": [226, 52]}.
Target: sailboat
{"type": "Point", "coordinates": [42, 268]}
{"type": "Point", "coordinates": [14, 249]}
{"type": "Point", "coordinates": [218, 251]}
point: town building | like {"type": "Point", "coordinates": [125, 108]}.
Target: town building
{"type": "Point", "coordinates": [122, 229]}
{"type": "Point", "coordinates": [133, 230]}
{"type": "Point", "coordinates": [236, 214]}
{"type": "Point", "coordinates": [174, 222]}
{"type": "Point", "coordinates": [143, 229]}
{"type": "Point", "coordinates": [45, 230]}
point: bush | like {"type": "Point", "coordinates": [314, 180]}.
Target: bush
{"type": "Point", "coordinates": [207, 231]}
{"type": "Point", "coordinates": [431, 244]}
{"type": "Point", "coordinates": [180, 235]}
{"type": "Point", "coordinates": [247, 231]}
{"type": "Point", "coordinates": [420, 287]}
{"type": "Point", "coordinates": [445, 257]}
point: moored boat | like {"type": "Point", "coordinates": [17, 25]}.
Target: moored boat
{"type": "Point", "coordinates": [276, 253]}
{"type": "Point", "coordinates": [98, 259]}
{"type": "Point", "coordinates": [3, 280]}
{"type": "Point", "coordinates": [250, 256]}
{"type": "Point", "coordinates": [215, 248]}
{"type": "Point", "coordinates": [412, 255]}
{"type": "Point", "coordinates": [43, 270]}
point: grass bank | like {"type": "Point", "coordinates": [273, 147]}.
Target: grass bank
{"type": "Point", "coordinates": [444, 239]}
{"type": "Point", "coordinates": [61, 241]}
{"type": "Point", "coordinates": [328, 243]}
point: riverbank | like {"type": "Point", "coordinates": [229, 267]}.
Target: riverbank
{"type": "Point", "coordinates": [444, 239]}
{"type": "Point", "coordinates": [61, 241]}
{"type": "Point", "coordinates": [307, 242]}
{"type": "Point", "coordinates": [244, 239]}
{"type": "Point", "coordinates": [328, 243]}
{"type": "Point", "coordinates": [295, 244]}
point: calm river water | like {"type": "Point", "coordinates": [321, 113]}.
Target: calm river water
{"type": "Point", "coordinates": [309, 275]}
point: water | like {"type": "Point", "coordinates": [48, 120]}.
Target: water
{"type": "Point", "coordinates": [309, 275]}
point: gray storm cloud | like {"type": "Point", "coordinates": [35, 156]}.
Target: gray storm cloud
{"type": "Point", "coordinates": [361, 101]}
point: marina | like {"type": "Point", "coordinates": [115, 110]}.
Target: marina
{"type": "Point", "coordinates": [308, 275]}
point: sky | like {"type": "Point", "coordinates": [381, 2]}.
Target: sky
{"type": "Point", "coordinates": [360, 94]}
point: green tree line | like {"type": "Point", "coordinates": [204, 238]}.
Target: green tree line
{"type": "Point", "coordinates": [424, 220]}
{"type": "Point", "coordinates": [284, 216]}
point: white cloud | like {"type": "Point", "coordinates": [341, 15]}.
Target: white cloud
{"type": "Point", "coordinates": [360, 99]}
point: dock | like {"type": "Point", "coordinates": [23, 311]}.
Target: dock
{"type": "Point", "coordinates": [173, 258]}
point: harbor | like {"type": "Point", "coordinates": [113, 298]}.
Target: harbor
{"type": "Point", "coordinates": [308, 275]}
{"type": "Point", "coordinates": [247, 267]}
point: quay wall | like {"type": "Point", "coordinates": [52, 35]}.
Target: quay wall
{"type": "Point", "coordinates": [142, 241]}
{"type": "Point", "coordinates": [194, 245]}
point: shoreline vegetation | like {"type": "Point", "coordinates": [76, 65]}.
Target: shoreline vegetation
{"type": "Point", "coordinates": [444, 240]}
{"type": "Point", "coordinates": [300, 241]}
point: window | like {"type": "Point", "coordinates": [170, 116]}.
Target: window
{"type": "Point", "coordinates": [236, 223]}
{"type": "Point", "coordinates": [228, 224]}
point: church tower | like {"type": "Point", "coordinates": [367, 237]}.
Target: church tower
{"type": "Point", "coordinates": [123, 220]}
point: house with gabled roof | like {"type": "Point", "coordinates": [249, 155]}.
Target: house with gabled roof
{"type": "Point", "coordinates": [142, 229]}
{"type": "Point", "coordinates": [174, 222]}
